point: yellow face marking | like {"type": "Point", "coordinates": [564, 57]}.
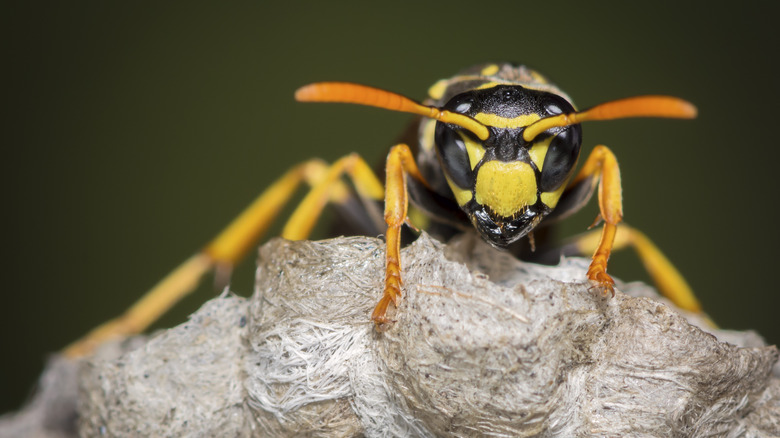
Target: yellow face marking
{"type": "Point", "coordinates": [538, 151]}
{"type": "Point", "coordinates": [503, 122]}
{"type": "Point", "coordinates": [474, 149]}
{"type": "Point", "coordinates": [428, 136]}
{"type": "Point", "coordinates": [490, 70]}
{"type": "Point", "coordinates": [506, 188]}
{"type": "Point", "coordinates": [462, 196]}
{"type": "Point", "coordinates": [437, 90]}
{"type": "Point", "coordinates": [550, 199]}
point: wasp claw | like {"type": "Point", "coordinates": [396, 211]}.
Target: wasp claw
{"type": "Point", "coordinates": [379, 316]}
{"type": "Point", "coordinates": [602, 281]}
{"type": "Point", "coordinates": [383, 324]}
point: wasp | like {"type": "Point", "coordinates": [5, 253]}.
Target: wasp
{"type": "Point", "coordinates": [492, 149]}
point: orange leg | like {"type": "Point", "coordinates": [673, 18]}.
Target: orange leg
{"type": "Point", "coordinates": [400, 162]}
{"type": "Point", "coordinates": [666, 277]}
{"type": "Point", "coordinates": [224, 251]}
{"type": "Point", "coordinates": [236, 239]}
{"type": "Point", "coordinates": [328, 188]}
{"type": "Point", "coordinates": [602, 163]}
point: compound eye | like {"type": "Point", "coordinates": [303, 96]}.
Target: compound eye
{"type": "Point", "coordinates": [554, 105]}
{"type": "Point", "coordinates": [461, 103]}
{"type": "Point", "coordinates": [553, 108]}
{"type": "Point", "coordinates": [453, 156]}
{"type": "Point", "coordinates": [561, 157]}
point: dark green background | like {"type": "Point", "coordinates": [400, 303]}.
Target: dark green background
{"type": "Point", "coordinates": [134, 132]}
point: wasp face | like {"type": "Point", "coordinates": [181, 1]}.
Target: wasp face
{"type": "Point", "coordinates": [506, 185]}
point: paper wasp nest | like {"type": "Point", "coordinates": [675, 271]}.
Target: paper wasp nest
{"type": "Point", "coordinates": [484, 345]}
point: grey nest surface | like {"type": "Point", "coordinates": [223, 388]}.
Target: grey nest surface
{"type": "Point", "coordinates": [483, 345]}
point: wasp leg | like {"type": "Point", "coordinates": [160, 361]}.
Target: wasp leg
{"type": "Point", "coordinates": [366, 183]}
{"type": "Point", "coordinates": [602, 165]}
{"type": "Point", "coordinates": [666, 277]}
{"type": "Point", "coordinates": [400, 162]}
{"type": "Point", "coordinates": [225, 250]}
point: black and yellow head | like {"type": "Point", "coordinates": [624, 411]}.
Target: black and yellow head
{"type": "Point", "coordinates": [506, 139]}
{"type": "Point", "coordinates": [504, 183]}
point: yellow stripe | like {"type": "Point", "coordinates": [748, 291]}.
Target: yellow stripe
{"type": "Point", "coordinates": [429, 134]}
{"type": "Point", "coordinates": [474, 149]}
{"type": "Point", "coordinates": [550, 199]}
{"type": "Point", "coordinates": [462, 196]}
{"type": "Point", "coordinates": [503, 122]}
{"type": "Point", "coordinates": [489, 70]}
{"type": "Point", "coordinates": [437, 90]}
{"type": "Point", "coordinates": [538, 151]}
{"type": "Point", "coordinates": [487, 85]}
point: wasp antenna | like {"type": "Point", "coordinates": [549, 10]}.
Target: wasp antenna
{"type": "Point", "coordinates": [640, 106]}
{"type": "Point", "coordinates": [345, 92]}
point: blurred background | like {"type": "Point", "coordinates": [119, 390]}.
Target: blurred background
{"type": "Point", "coordinates": [134, 131]}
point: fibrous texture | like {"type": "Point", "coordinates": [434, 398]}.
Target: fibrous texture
{"type": "Point", "coordinates": [484, 345]}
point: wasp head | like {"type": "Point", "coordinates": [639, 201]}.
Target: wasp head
{"type": "Point", "coordinates": [505, 184]}
{"type": "Point", "coordinates": [506, 148]}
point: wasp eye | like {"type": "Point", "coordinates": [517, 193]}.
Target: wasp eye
{"type": "Point", "coordinates": [453, 156]}
{"type": "Point", "coordinates": [554, 105]}
{"type": "Point", "coordinates": [553, 109]}
{"type": "Point", "coordinates": [463, 107]}
{"type": "Point", "coordinates": [462, 103]}
{"type": "Point", "coordinates": [561, 158]}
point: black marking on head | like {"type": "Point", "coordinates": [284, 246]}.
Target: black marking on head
{"type": "Point", "coordinates": [453, 156]}
{"type": "Point", "coordinates": [561, 157]}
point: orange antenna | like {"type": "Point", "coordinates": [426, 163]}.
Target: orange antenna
{"type": "Point", "coordinates": [640, 106]}
{"type": "Point", "coordinates": [345, 92]}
